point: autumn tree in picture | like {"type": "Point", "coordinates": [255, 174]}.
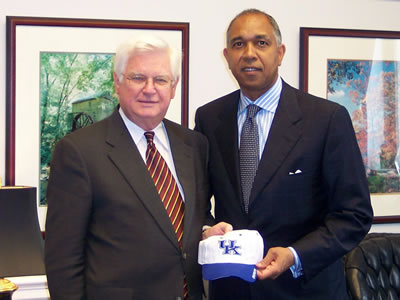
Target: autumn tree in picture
{"type": "Point", "coordinates": [370, 90]}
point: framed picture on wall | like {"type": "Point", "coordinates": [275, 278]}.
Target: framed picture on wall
{"type": "Point", "coordinates": [360, 69]}
{"type": "Point", "coordinates": [59, 79]}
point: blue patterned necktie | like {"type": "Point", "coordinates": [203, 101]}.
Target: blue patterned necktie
{"type": "Point", "coordinates": [248, 153]}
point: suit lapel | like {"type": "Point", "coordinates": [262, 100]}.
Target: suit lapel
{"type": "Point", "coordinates": [128, 160]}
{"type": "Point", "coordinates": [226, 135]}
{"type": "Point", "coordinates": [285, 131]}
{"type": "Point", "coordinates": [182, 154]}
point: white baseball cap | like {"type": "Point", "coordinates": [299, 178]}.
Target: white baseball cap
{"type": "Point", "coordinates": [233, 254]}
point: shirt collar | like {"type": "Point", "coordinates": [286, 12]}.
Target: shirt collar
{"type": "Point", "coordinates": [268, 101]}
{"type": "Point", "coordinates": [137, 133]}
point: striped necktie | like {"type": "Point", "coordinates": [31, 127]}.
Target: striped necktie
{"type": "Point", "coordinates": [165, 185]}
{"type": "Point", "coordinates": [168, 191]}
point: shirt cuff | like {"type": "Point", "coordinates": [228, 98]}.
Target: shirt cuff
{"type": "Point", "coordinates": [296, 268]}
{"type": "Point", "coordinates": [205, 227]}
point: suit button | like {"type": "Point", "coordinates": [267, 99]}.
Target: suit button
{"type": "Point", "coordinates": [184, 255]}
{"type": "Point", "coordinates": [178, 298]}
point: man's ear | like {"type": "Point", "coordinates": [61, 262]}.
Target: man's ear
{"type": "Point", "coordinates": [282, 51]}
{"type": "Point", "coordinates": [227, 57]}
{"type": "Point", "coordinates": [226, 54]}
{"type": "Point", "coordinates": [173, 88]}
{"type": "Point", "coordinates": [116, 82]}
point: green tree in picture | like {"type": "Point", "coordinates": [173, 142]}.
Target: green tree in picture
{"type": "Point", "coordinates": [66, 79]}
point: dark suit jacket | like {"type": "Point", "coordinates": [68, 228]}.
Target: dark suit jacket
{"type": "Point", "coordinates": [323, 212]}
{"type": "Point", "coordinates": [108, 235]}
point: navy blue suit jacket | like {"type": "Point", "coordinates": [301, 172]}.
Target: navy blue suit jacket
{"type": "Point", "coordinates": [323, 212]}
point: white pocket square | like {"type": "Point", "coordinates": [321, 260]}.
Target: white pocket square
{"type": "Point", "coordinates": [298, 171]}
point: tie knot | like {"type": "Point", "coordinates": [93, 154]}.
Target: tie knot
{"type": "Point", "coordinates": [149, 137]}
{"type": "Point", "coordinates": [252, 110]}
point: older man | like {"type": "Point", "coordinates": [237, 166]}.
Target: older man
{"type": "Point", "coordinates": [287, 164]}
{"type": "Point", "coordinates": [127, 195]}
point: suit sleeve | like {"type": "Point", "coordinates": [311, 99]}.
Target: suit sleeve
{"type": "Point", "coordinates": [69, 205]}
{"type": "Point", "coordinates": [210, 221]}
{"type": "Point", "coordinates": [349, 212]}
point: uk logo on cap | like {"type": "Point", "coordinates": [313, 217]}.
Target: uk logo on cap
{"type": "Point", "coordinates": [233, 254]}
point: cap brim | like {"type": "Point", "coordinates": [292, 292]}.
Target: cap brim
{"type": "Point", "coordinates": [220, 270]}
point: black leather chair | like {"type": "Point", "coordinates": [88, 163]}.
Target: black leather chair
{"type": "Point", "coordinates": [373, 268]}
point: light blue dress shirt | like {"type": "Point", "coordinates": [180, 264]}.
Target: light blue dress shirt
{"type": "Point", "coordinates": [268, 103]}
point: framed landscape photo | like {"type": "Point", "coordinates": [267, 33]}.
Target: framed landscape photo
{"type": "Point", "coordinates": [59, 79]}
{"type": "Point", "coordinates": [360, 69]}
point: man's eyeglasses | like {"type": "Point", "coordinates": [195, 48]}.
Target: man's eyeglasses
{"type": "Point", "coordinates": [141, 80]}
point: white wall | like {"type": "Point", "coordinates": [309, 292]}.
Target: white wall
{"type": "Point", "coordinates": [209, 77]}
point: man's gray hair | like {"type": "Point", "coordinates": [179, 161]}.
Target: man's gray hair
{"type": "Point", "coordinates": [142, 44]}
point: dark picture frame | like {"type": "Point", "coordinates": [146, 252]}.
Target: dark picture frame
{"type": "Point", "coordinates": [26, 37]}
{"type": "Point", "coordinates": [320, 45]}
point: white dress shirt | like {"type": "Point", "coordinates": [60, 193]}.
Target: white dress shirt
{"type": "Point", "coordinates": [160, 140]}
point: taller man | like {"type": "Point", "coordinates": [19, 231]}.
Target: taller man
{"type": "Point", "coordinates": [287, 164]}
